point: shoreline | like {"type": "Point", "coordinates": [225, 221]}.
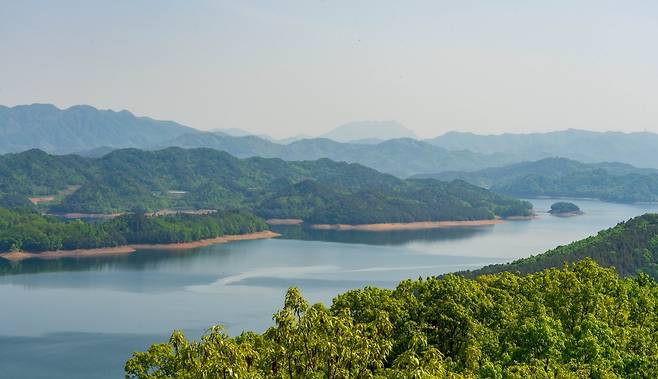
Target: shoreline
{"type": "Point", "coordinates": [265, 234]}
{"type": "Point", "coordinates": [17, 256]}
{"type": "Point", "coordinates": [418, 225]}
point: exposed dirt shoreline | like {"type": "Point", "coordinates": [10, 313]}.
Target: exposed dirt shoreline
{"type": "Point", "coordinates": [128, 249]}
{"type": "Point", "coordinates": [407, 225]}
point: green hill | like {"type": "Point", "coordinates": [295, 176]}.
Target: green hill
{"type": "Point", "coordinates": [630, 247]}
{"type": "Point", "coordinates": [560, 177]}
{"type": "Point", "coordinates": [321, 191]}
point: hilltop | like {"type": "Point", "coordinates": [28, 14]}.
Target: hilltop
{"type": "Point", "coordinates": [320, 191]}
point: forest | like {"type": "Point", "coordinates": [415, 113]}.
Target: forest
{"type": "Point", "coordinates": [631, 247]}
{"type": "Point", "coordinates": [33, 232]}
{"type": "Point", "coordinates": [582, 321]}
{"type": "Point", "coordinates": [321, 191]}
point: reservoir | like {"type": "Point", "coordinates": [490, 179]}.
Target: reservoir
{"type": "Point", "coordinates": [82, 318]}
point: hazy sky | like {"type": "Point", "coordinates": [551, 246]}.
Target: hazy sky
{"type": "Point", "coordinates": [289, 67]}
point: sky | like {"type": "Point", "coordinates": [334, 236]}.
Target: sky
{"type": "Point", "coordinates": [303, 67]}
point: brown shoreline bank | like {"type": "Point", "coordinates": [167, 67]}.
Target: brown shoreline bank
{"type": "Point", "coordinates": [384, 227]}
{"type": "Point", "coordinates": [17, 256]}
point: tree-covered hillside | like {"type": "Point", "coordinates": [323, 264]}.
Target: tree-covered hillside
{"type": "Point", "coordinates": [560, 177]}
{"type": "Point", "coordinates": [321, 191]}
{"type": "Point", "coordinates": [631, 247]}
{"type": "Point", "coordinates": [583, 322]}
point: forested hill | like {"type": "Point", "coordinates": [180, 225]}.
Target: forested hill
{"type": "Point", "coordinates": [631, 247]}
{"type": "Point", "coordinates": [321, 191]}
{"type": "Point", "coordinates": [560, 177]}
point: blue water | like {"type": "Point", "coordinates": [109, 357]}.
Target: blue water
{"type": "Point", "coordinates": [82, 318]}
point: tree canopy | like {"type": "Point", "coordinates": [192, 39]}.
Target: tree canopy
{"type": "Point", "coordinates": [564, 207]}
{"type": "Point", "coordinates": [322, 191]}
{"type": "Point", "coordinates": [631, 247]}
{"type": "Point", "coordinates": [578, 322]}
{"type": "Point", "coordinates": [32, 232]}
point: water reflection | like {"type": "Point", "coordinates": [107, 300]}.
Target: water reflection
{"type": "Point", "coordinates": [138, 261]}
{"type": "Point", "coordinates": [151, 259]}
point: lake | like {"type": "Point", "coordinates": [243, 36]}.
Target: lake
{"type": "Point", "coordinates": [82, 318]}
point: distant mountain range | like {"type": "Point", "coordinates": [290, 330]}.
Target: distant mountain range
{"type": "Point", "coordinates": [237, 132]}
{"type": "Point", "coordinates": [91, 132]}
{"type": "Point", "coordinates": [638, 149]}
{"type": "Point", "coordinates": [78, 128]}
{"type": "Point", "coordinates": [400, 157]}
{"type": "Point", "coordinates": [369, 132]}
{"type": "Point", "coordinates": [561, 177]}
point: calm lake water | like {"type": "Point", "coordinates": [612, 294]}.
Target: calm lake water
{"type": "Point", "coordinates": [82, 318]}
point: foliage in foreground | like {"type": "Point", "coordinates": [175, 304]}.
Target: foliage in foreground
{"type": "Point", "coordinates": [583, 322]}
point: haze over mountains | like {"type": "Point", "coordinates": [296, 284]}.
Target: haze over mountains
{"type": "Point", "coordinates": [392, 156]}
{"type": "Point", "coordinates": [369, 132]}
{"type": "Point", "coordinates": [561, 177]}
{"type": "Point", "coordinates": [78, 128]}
{"type": "Point", "coordinates": [384, 145]}
{"type": "Point", "coordinates": [638, 149]}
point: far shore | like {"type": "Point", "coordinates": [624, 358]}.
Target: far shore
{"type": "Point", "coordinates": [384, 227]}
{"type": "Point", "coordinates": [16, 256]}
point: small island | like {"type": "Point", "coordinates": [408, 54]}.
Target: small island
{"type": "Point", "coordinates": [565, 209]}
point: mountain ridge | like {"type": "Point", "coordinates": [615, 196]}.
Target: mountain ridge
{"type": "Point", "coordinates": [79, 127]}
{"type": "Point", "coordinates": [636, 148]}
{"type": "Point", "coordinates": [369, 131]}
